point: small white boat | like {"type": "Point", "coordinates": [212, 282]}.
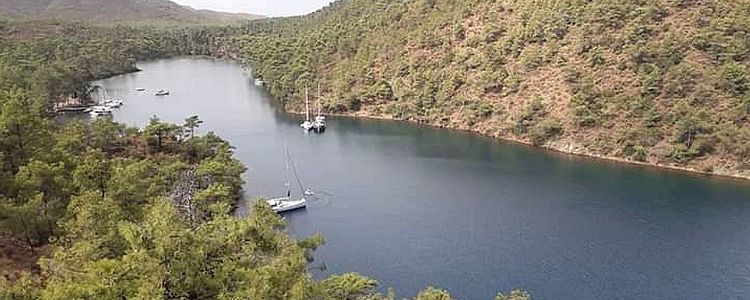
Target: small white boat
{"type": "Point", "coordinates": [259, 82]}
{"type": "Point", "coordinates": [140, 89]}
{"type": "Point", "coordinates": [162, 93]}
{"type": "Point", "coordinates": [286, 204]}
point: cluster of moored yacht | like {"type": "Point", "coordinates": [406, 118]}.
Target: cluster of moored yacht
{"type": "Point", "coordinates": [106, 104]}
{"type": "Point", "coordinates": [319, 123]}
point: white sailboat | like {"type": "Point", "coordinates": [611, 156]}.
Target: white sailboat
{"type": "Point", "coordinates": [111, 102]}
{"type": "Point", "coordinates": [286, 203]}
{"type": "Point", "coordinates": [307, 124]}
{"type": "Point", "coordinates": [320, 120]}
{"type": "Point", "coordinates": [100, 110]}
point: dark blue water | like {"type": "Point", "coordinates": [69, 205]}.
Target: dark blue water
{"type": "Point", "coordinates": [414, 206]}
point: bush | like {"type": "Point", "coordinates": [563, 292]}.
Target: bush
{"type": "Point", "coordinates": [530, 116]}
{"type": "Point", "coordinates": [545, 131]}
{"type": "Point", "coordinates": [682, 154]}
{"type": "Point", "coordinates": [735, 79]}
{"type": "Point", "coordinates": [585, 105]}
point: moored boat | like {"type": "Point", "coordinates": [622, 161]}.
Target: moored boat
{"type": "Point", "coordinates": [284, 204]}
{"type": "Point", "coordinates": [307, 124]}
{"type": "Point", "coordinates": [100, 110]}
{"type": "Point", "coordinates": [319, 125]}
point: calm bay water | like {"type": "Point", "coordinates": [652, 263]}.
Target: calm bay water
{"type": "Point", "coordinates": [414, 206]}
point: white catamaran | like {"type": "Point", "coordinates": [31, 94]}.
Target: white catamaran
{"type": "Point", "coordinates": [307, 124]}
{"type": "Point", "coordinates": [286, 203]}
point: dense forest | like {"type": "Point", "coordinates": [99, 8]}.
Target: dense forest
{"type": "Point", "coordinates": [99, 210]}
{"type": "Point", "coordinates": [656, 81]}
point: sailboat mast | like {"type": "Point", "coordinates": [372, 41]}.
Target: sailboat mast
{"type": "Point", "coordinates": [307, 106]}
{"type": "Point", "coordinates": [294, 172]}
{"type": "Point", "coordinates": [287, 183]}
{"type": "Point", "coordinates": [319, 100]}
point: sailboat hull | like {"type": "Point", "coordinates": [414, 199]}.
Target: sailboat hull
{"type": "Point", "coordinates": [280, 205]}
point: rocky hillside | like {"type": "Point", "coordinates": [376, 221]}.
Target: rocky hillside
{"type": "Point", "coordinates": [662, 82]}
{"type": "Point", "coordinates": [113, 11]}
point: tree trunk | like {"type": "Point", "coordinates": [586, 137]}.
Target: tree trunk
{"type": "Point", "coordinates": [28, 237]}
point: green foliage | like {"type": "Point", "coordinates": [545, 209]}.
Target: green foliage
{"type": "Point", "coordinates": [514, 295]}
{"type": "Point", "coordinates": [545, 131]}
{"type": "Point", "coordinates": [530, 116]}
{"type": "Point", "coordinates": [191, 124]}
{"type": "Point", "coordinates": [25, 288]}
{"type": "Point", "coordinates": [159, 134]}
{"type": "Point", "coordinates": [432, 293]}
{"type": "Point", "coordinates": [348, 286]}
{"type": "Point", "coordinates": [735, 79]}
{"type": "Point", "coordinates": [586, 104]}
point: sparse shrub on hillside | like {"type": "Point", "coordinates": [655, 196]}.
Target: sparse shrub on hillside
{"type": "Point", "coordinates": [596, 57]}
{"type": "Point", "coordinates": [530, 116]}
{"type": "Point", "coordinates": [735, 78]}
{"type": "Point", "coordinates": [586, 104]}
{"type": "Point", "coordinates": [531, 57]}
{"type": "Point", "coordinates": [493, 81]}
{"type": "Point", "coordinates": [512, 83]}
{"type": "Point", "coordinates": [681, 81]}
{"type": "Point", "coordinates": [545, 131]}
{"type": "Point", "coordinates": [651, 80]}
{"type": "Point", "coordinates": [736, 140]}
{"type": "Point", "coordinates": [743, 104]}
{"type": "Point", "coordinates": [571, 75]}
{"type": "Point", "coordinates": [693, 133]}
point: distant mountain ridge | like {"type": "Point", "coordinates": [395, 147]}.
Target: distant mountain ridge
{"type": "Point", "coordinates": [98, 11]}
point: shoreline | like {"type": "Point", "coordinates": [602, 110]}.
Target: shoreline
{"type": "Point", "coordinates": [559, 150]}
{"type": "Point", "coordinates": [546, 147]}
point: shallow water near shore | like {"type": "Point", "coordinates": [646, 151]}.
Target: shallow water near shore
{"type": "Point", "coordinates": [413, 206]}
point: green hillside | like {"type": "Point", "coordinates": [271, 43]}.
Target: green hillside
{"type": "Point", "coordinates": [101, 11]}
{"type": "Point", "coordinates": [656, 81]}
